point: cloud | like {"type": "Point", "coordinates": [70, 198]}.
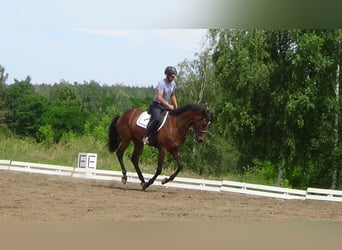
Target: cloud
{"type": "Point", "coordinates": [185, 39]}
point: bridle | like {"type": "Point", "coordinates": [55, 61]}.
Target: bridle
{"type": "Point", "coordinates": [196, 130]}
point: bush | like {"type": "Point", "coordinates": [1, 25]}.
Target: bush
{"type": "Point", "coordinates": [45, 134]}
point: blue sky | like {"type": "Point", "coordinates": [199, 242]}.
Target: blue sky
{"type": "Point", "coordinates": [112, 42]}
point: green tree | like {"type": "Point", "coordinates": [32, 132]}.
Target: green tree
{"type": "Point", "coordinates": [280, 100]}
{"type": "Point", "coordinates": [14, 99]}
{"type": "Point", "coordinates": [3, 79]}
{"type": "Point", "coordinates": [91, 94]}
{"type": "Point", "coordinates": [243, 71]}
{"type": "Point", "coordinates": [29, 117]}
{"type": "Point", "coordinates": [3, 76]}
{"type": "Point", "coordinates": [66, 94]}
{"type": "Point", "coordinates": [64, 119]}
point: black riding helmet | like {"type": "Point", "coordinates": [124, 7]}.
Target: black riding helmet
{"type": "Point", "coordinates": [170, 71]}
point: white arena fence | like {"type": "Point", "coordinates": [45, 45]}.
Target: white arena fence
{"type": "Point", "coordinates": [178, 182]}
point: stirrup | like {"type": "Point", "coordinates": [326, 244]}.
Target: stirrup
{"type": "Point", "coordinates": [145, 140]}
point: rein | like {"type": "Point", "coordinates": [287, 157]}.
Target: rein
{"type": "Point", "coordinates": [195, 130]}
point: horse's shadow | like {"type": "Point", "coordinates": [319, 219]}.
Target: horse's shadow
{"type": "Point", "coordinates": [135, 187]}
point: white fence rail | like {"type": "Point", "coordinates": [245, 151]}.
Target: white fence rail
{"type": "Point", "coordinates": [263, 190]}
{"type": "Point", "coordinates": [178, 182]}
{"type": "Point", "coordinates": [323, 194]}
{"type": "Point", "coordinates": [40, 168]}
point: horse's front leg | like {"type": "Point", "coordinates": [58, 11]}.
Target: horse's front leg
{"type": "Point", "coordinates": [179, 168]}
{"type": "Point", "coordinates": [161, 157]}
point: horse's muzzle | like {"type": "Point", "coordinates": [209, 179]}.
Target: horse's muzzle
{"type": "Point", "coordinates": [200, 139]}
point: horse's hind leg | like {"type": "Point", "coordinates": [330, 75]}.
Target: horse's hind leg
{"type": "Point", "coordinates": [120, 154]}
{"type": "Point", "coordinates": [138, 148]}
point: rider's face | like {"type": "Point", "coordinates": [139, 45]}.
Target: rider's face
{"type": "Point", "coordinates": [170, 78]}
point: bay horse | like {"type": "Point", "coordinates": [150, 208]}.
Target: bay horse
{"type": "Point", "coordinates": [123, 129]}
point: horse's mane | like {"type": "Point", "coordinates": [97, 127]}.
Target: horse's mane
{"type": "Point", "coordinates": [192, 107]}
{"type": "Point", "coordinates": [185, 108]}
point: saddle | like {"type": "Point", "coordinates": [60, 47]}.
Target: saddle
{"type": "Point", "coordinates": [144, 118]}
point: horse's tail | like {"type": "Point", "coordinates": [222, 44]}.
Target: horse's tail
{"type": "Point", "coordinates": [113, 136]}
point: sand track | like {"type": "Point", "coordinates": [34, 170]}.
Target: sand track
{"type": "Point", "coordinates": [34, 197]}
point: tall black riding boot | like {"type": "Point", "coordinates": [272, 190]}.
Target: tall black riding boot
{"type": "Point", "coordinates": [149, 131]}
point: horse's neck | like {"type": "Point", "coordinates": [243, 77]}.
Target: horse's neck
{"type": "Point", "coordinates": [184, 120]}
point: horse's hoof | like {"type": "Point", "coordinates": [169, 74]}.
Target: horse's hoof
{"type": "Point", "coordinates": [144, 186]}
{"type": "Point", "coordinates": [124, 179]}
{"type": "Point", "coordinates": [164, 181]}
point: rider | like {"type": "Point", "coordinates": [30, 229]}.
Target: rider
{"type": "Point", "coordinates": [165, 92]}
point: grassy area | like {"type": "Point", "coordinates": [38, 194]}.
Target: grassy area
{"type": "Point", "coordinates": [13, 148]}
{"type": "Point", "coordinates": [66, 154]}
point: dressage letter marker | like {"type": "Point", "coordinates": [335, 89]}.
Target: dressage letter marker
{"type": "Point", "coordinates": [87, 161]}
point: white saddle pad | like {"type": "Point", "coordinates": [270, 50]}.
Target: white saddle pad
{"type": "Point", "coordinates": [144, 118]}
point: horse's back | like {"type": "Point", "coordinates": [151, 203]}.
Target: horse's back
{"type": "Point", "coordinates": [126, 124]}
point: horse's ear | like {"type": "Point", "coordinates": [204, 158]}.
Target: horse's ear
{"type": "Point", "coordinates": [210, 115]}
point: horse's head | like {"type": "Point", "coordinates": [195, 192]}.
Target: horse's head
{"type": "Point", "coordinates": [201, 125]}
{"type": "Point", "coordinates": [196, 117]}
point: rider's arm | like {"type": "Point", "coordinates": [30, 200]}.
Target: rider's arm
{"type": "Point", "coordinates": [174, 100]}
{"type": "Point", "coordinates": [162, 100]}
